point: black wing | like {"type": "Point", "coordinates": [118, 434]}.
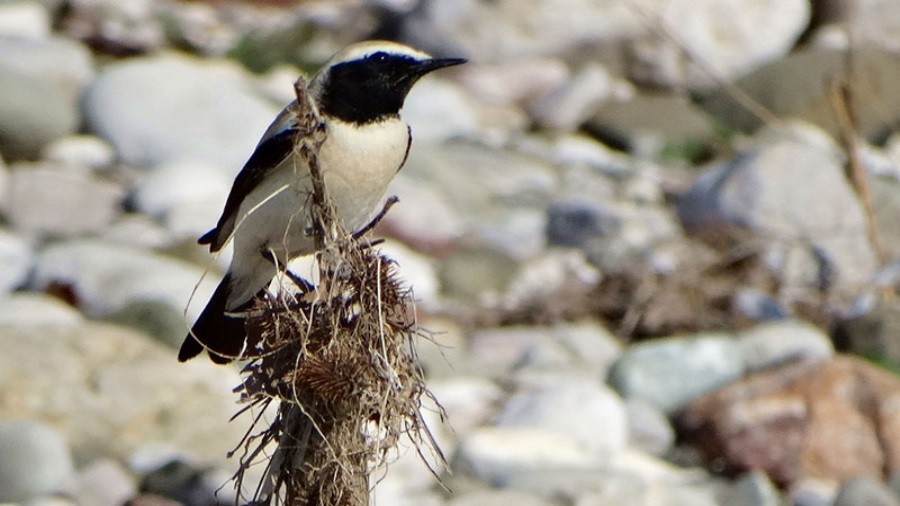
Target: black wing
{"type": "Point", "coordinates": [267, 155]}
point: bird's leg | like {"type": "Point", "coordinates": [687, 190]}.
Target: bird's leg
{"type": "Point", "coordinates": [304, 285]}
{"type": "Point", "coordinates": [393, 199]}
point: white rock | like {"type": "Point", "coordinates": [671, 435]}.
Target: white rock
{"type": "Point", "coordinates": [26, 308]}
{"type": "Point", "coordinates": [516, 82]}
{"type": "Point", "coordinates": [80, 151]}
{"type": "Point", "coordinates": [874, 22]}
{"type": "Point", "coordinates": [584, 410]}
{"type": "Point", "coordinates": [494, 497]}
{"type": "Point", "coordinates": [34, 460]}
{"type": "Point", "coordinates": [49, 200]}
{"type": "Point", "coordinates": [424, 218]}
{"type": "Point", "coordinates": [416, 270]}
{"type": "Point", "coordinates": [506, 30]}
{"type": "Point", "coordinates": [24, 18]}
{"type": "Point", "coordinates": [439, 110]}
{"type": "Point", "coordinates": [63, 63]}
{"type": "Point", "coordinates": [650, 430]}
{"type": "Point", "coordinates": [188, 196]}
{"type": "Point", "coordinates": [105, 483]}
{"type": "Point", "coordinates": [207, 112]}
{"type": "Point", "coordinates": [137, 230]}
{"type": "Point", "coordinates": [107, 277]}
{"type": "Point", "coordinates": [113, 390]}
{"type": "Point", "coordinates": [494, 454]}
{"type": "Point", "coordinates": [468, 401]}
{"type": "Point", "coordinates": [730, 37]}
{"type": "Point", "coordinates": [16, 258]}
{"type": "Point", "coordinates": [771, 343]}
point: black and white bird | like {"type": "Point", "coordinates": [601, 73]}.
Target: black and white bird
{"type": "Point", "coordinates": [358, 94]}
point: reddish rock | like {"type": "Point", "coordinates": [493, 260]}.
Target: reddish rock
{"type": "Point", "coordinates": [829, 420]}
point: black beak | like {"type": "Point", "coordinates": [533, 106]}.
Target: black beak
{"type": "Point", "coordinates": [433, 64]}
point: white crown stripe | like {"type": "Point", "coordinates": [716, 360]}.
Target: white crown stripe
{"type": "Point", "coordinates": [360, 51]}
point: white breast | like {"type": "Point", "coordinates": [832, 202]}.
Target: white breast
{"type": "Point", "coordinates": [359, 163]}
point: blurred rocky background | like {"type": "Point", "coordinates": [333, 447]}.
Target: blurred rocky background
{"type": "Point", "coordinates": [656, 242]}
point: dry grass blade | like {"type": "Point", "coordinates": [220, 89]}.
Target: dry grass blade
{"type": "Point", "coordinates": [340, 362]}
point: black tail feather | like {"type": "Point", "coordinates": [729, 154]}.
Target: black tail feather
{"type": "Point", "coordinates": [223, 335]}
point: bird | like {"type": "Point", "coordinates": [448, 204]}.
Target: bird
{"type": "Point", "coordinates": [358, 94]}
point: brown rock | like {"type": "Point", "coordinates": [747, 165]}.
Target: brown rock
{"type": "Point", "coordinates": [833, 420]}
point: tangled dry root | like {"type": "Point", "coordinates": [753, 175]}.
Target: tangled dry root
{"type": "Point", "coordinates": [339, 362]}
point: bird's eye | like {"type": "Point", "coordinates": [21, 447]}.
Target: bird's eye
{"type": "Point", "coordinates": [380, 57]}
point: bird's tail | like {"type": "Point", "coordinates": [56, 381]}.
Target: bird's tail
{"type": "Point", "coordinates": [223, 336]}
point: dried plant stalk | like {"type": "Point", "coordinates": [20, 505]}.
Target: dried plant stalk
{"type": "Point", "coordinates": [339, 361]}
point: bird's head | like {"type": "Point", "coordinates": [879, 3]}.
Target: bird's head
{"type": "Point", "coordinates": [368, 81]}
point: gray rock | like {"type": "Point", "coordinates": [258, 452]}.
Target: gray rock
{"type": "Point", "coordinates": [107, 277]}
{"type": "Point", "coordinates": [33, 113]}
{"type": "Point", "coordinates": [810, 492]}
{"type": "Point", "coordinates": [796, 87]}
{"type": "Point", "coordinates": [17, 259]}
{"type": "Point", "coordinates": [586, 346]}
{"type": "Point", "coordinates": [26, 19]}
{"type": "Point", "coordinates": [638, 240]}
{"type": "Point", "coordinates": [627, 478]}
{"type": "Point", "coordinates": [872, 22]}
{"type": "Point", "coordinates": [769, 344]}
{"type": "Point", "coordinates": [711, 41]}
{"type": "Point", "coordinates": [139, 231]}
{"type": "Point", "coordinates": [576, 223]}
{"type": "Point", "coordinates": [105, 483]}
{"type": "Point", "coordinates": [649, 429]}
{"type": "Point", "coordinates": [206, 112]}
{"type": "Point", "coordinates": [886, 208]}
{"type": "Point", "coordinates": [154, 318]}
{"type": "Point", "coordinates": [505, 208]}
{"type": "Point", "coordinates": [494, 497]}
{"type": "Point", "coordinates": [791, 190]}
{"type": "Point", "coordinates": [758, 305]}
{"type": "Point", "coordinates": [62, 62]}
{"type": "Point", "coordinates": [552, 286]}
{"type": "Point", "coordinates": [184, 483]}
{"type": "Point", "coordinates": [47, 200]}
{"type": "Point", "coordinates": [80, 151]}
{"type": "Point", "coordinates": [133, 26]}
{"type": "Point", "coordinates": [573, 103]}
{"type": "Point", "coordinates": [34, 460]}
{"type": "Point", "coordinates": [671, 372]}
{"type": "Point", "coordinates": [657, 494]}
{"type": "Point", "coordinates": [661, 125]}
{"type": "Point", "coordinates": [495, 454]}
{"type": "Point", "coordinates": [581, 409]}
{"type": "Point", "coordinates": [443, 353]}
{"type": "Point", "coordinates": [507, 30]}
{"type": "Point", "coordinates": [476, 273]}
{"type": "Point", "coordinates": [754, 489]}
{"type": "Point", "coordinates": [24, 309]}
{"type": "Point", "coordinates": [865, 491]}
{"type": "Point", "coordinates": [117, 391]}
{"type": "Point", "coordinates": [873, 332]}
